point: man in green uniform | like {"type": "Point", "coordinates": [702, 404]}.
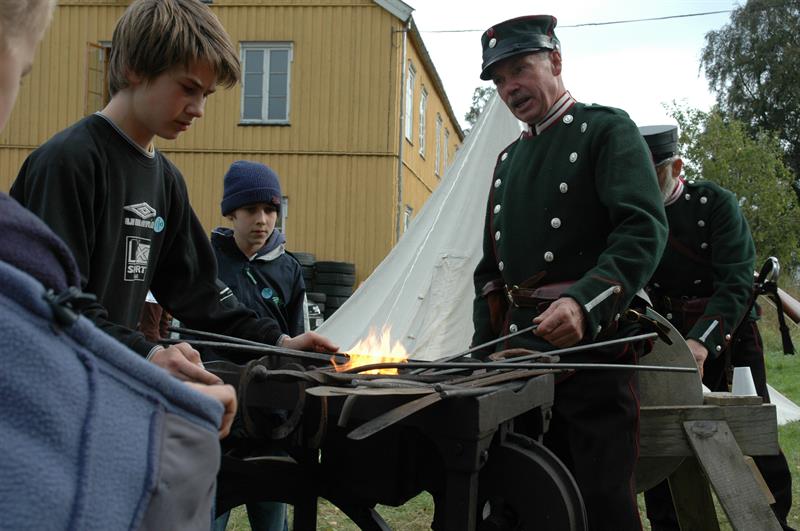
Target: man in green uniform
{"type": "Point", "coordinates": [574, 228]}
{"type": "Point", "coordinates": [704, 286]}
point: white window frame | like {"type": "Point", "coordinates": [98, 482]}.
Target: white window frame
{"type": "Point", "coordinates": [438, 163]}
{"type": "Point", "coordinates": [410, 80]}
{"type": "Point", "coordinates": [423, 107]}
{"type": "Point", "coordinates": [446, 149]}
{"type": "Point", "coordinates": [283, 216]}
{"type": "Point", "coordinates": [267, 48]}
{"type": "Point", "coordinates": [407, 214]}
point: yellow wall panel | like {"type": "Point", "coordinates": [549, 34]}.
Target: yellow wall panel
{"type": "Point", "coordinates": [338, 156]}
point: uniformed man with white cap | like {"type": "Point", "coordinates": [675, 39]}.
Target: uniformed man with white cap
{"type": "Point", "coordinates": [704, 286]}
{"type": "Point", "coordinates": [575, 226]}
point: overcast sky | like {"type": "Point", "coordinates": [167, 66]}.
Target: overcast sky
{"type": "Point", "coordinates": [634, 66]}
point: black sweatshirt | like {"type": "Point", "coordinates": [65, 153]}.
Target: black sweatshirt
{"type": "Point", "coordinates": [126, 217]}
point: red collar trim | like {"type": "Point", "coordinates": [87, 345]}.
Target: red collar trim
{"type": "Point", "coordinates": [559, 109]}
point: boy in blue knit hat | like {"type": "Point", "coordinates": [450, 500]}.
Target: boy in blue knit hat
{"type": "Point", "coordinates": [253, 262]}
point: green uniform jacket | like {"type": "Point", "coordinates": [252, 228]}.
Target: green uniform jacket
{"type": "Point", "coordinates": [579, 202]}
{"type": "Point", "coordinates": [710, 253]}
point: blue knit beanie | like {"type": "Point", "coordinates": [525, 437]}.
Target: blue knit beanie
{"type": "Point", "coordinates": [247, 183]}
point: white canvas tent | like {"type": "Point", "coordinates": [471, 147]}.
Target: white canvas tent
{"type": "Point", "coordinates": [423, 288]}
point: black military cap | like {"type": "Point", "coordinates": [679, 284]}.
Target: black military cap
{"type": "Point", "coordinates": [516, 36]}
{"type": "Point", "coordinates": [662, 141]}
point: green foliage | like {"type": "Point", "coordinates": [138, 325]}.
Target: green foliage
{"type": "Point", "coordinates": [724, 151]}
{"type": "Point", "coordinates": [479, 99]}
{"type": "Point", "coordinates": [752, 65]}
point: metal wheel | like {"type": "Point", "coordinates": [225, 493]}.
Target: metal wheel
{"type": "Point", "coordinates": [524, 487]}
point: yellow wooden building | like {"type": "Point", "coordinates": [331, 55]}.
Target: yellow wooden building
{"type": "Point", "coordinates": [339, 97]}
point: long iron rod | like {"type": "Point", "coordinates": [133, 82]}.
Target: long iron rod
{"type": "Point", "coordinates": [562, 351]}
{"type": "Point", "coordinates": [588, 346]}
{"type": "Point", "coordinates": [512, 365]}
{"type": "Point", "coordinates": [488, 344]}
{"type": "Point", "coordinates": [262, 349]}
{"type": "Point", "coordinates": [212, 335]}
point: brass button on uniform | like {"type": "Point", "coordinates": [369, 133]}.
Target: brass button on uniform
{"type": "Point", "coordinates": [497, 209]}
{"type": "Point", "coordinates": [704, 245]}
{"type": "Point", "coordinates": [501, 265]}
{"type": "Point", "coordinates": [573, 157]}
{"type": "Point", "coordinates": [548, 256]}
{"type": "Point", "coordinates": [497, 183]}
{"type": "Point", "coordinates": [568, 119]}
{"type": "Point", "coordinates": [555, 223]}
{"type": "Point", "coordinates": [563, 188]}
{"type": "Point", "coordinates": [703, 200]}
{"type": "Point", "coordinates": [497, 236]}
{"type": "Point", "coordinates": [513, 328]}
{"type": "Point", "coordinates": [584, 125]}
{"type": "Point", "coordinates": [504, 156]}
{"type": "Point", "coordinates": [701, 223]}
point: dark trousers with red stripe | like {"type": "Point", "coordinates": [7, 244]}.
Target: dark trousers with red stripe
{"type": "Point", "coordinates": [747, 350]}
{"type": "Point", "coordinates": [595, 432]}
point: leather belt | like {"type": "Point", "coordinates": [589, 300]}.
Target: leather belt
{"type": "Point", "coordinates": [534, 297]}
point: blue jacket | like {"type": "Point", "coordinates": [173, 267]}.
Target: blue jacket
{"type": "Point", "coordinates": [92, 436]}
{"type": "Point", "coordinates": [269, 283]}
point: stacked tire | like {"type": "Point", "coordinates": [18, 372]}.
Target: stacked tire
{"type": "Point", "coordinates": [316, 301]}
{"type": "Point", "coordinates": [336, 281]}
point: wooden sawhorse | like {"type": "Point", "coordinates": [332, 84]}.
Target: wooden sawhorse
{"type": "Point", "coordinates": [713, 439]}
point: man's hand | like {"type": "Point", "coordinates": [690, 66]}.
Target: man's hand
{"type": "Point", "coordinates": [225, 394]}
{"type": "Point", "coordinates": [562, 323]}
{"type": "Point", "coordinates": [700, 353]}
{"type": "Point", "coordinates": [183, 362]}
{"type": "Point", "coordinates": [310, 341]}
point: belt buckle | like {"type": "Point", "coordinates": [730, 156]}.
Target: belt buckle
{"type": "Point", "coordinates": [510, 294]}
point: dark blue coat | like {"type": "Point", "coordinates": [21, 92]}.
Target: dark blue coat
{"type": "Point", "coordinates": [269, 283]}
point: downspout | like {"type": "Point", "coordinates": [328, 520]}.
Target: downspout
{"type": "Point", "coordinates": [403, 71]}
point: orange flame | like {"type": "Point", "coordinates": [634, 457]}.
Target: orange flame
{"type": "Point", "coordinates": [374, 349]}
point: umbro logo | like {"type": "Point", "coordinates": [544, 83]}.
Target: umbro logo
{"type": "Point", "coordinates": [143, 210]}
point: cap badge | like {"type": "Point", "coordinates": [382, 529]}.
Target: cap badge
{"type": "Point", "coordinates": [490, 32]}
{"type": "Point", "coordinates": [492, 42]}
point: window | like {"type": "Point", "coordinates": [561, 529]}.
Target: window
{"type": "Point", "coordinates": [407, 217]}
{"type": "Point", "coordinates": [445, 158]}
{"type": "Point", "coordinates": [265, 82]}
{"type": "Point", "coordinates": [423, 104]}
{"type": "Point", "coordinates": [409, 117]}
{"type": "Point", "coordinates": [280, 223]}
{"type": "Point", "coordinates": [97, 91]}
{"type": "Point", "coordinates": [437, 164]}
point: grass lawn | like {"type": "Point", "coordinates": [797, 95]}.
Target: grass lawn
{"type": "Point", "coordinates": [783, 374]}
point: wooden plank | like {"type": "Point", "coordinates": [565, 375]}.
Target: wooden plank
{"type": "Point", "coordinates": [730, 477]}
{"type": "Point", "coordinates": [692, 498]}
{"type": "Point", "coordinates": [729, 399]}
{"type": "Point", "coordinates": [661, 434]}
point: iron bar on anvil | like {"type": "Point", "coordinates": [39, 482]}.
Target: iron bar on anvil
{"type": "Point", "coordinates": [513, 365]}
{"type": "Point", "coordinates": [557, 352]}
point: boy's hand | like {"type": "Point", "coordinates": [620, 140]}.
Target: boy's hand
{"type": "Point", "coordinates": [225, 394]}
{"type": "Point", "coordinates": [183, 362]}
{"type": "Point", "coordinates": [310, 341]}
